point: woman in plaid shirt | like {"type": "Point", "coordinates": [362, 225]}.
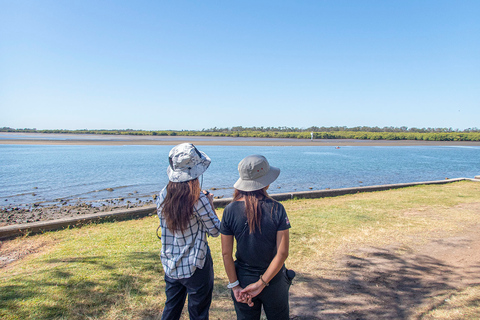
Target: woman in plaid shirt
{"type": "Point", "coordinates": [186, 217]}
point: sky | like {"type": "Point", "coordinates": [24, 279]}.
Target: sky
{"type": "Point", "coordinates": [193, 65]}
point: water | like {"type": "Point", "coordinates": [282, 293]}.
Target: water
{"type": "Point", "coordinates": [46, 174]}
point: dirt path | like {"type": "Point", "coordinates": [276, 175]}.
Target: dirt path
{"type": "Point", "coordinates": [391, 283]}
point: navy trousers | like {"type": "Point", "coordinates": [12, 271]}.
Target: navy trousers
{"type": "Point", "coordinates": [198, 287]}
{"type": "Point", "coordinates": [273, 298]}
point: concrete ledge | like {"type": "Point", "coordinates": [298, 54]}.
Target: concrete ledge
{"type": "Point", "coordinates": [124, 214]}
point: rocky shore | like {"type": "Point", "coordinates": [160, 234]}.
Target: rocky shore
{"type": "Point", "coordinates": [36, 212]}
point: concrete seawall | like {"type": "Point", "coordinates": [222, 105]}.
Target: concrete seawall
{"type": "Point", "coordinates": [124, 214]}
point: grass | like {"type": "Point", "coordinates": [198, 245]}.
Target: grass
{"type": "Point", "coordinates": [113, 271]}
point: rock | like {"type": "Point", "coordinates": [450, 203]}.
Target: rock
{"type": "Point", "coordinates": [109, 189]}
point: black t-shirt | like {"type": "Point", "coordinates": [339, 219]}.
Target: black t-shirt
{"type": "Point", "coordinates": [255, 251]}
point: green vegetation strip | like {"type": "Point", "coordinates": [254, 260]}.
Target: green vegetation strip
{"type": "Point", "coordinates": [113, 271]}
{"type": "Point", "coordinates": [429, 134]}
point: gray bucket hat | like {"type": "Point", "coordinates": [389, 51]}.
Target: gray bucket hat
{"type": "Point", "coordinates": [255, 173]}
{"type": "Point", "coordinates": [186, 163]}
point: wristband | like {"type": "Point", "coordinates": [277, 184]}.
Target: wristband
{"type": "Point", "coordinates": [233, 285]}
{"type": "Point", "coordinates": [265, 283]}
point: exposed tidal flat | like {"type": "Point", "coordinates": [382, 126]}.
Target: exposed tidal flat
{"type": "Point", "coordinates": [52, 176]}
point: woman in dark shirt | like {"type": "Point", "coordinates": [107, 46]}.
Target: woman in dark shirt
{"type": "Point", "coordinates": [260, 226]}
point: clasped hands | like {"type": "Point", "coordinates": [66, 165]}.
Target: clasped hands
{"type": "Point", "coordinates": [248, 293]}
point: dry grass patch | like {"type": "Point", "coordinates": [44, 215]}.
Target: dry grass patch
{"type": "Point", "coordinates": [14, 250]}
{"type": "Point", "coordinates": [461, 305]}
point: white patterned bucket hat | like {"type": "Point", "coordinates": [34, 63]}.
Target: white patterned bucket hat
{"type": "Point", "coordinates": [255, 173]}
{"type": "Point", "coordinates": [186, 163]}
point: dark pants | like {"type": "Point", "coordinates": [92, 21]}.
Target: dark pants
{"type": "Point", "coordinates": [273, 298]}
{"type": "Point", "coordinates": [199, 288]}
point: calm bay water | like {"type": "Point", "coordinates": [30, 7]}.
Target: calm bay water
{"type": "Point", "coordinates": [45, 173]}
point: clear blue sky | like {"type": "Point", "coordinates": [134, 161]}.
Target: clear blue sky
{"type": "Point", "coordinates": [202, 64]}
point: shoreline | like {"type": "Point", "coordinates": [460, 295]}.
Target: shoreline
{"type": "Point", "coordinates": [116, 140]}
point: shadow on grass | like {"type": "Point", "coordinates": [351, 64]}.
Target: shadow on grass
{"type": "Point", "coordinates": [92, 287]}
{"type": "Point", "coordinates": [83, 287]}
{"type": "Point", "coordinates": [377, 284]}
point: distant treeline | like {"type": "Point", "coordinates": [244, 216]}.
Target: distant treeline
{"type": "Point", "coordinates": [363, 133]}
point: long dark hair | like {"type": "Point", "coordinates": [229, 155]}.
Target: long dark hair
{"type": "Point", "coordinates": [252, 206]}
{"type": "Point", "coordinates": [177, 207]}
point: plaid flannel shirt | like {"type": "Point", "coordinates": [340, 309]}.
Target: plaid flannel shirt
{"type": "Point", "coordinates": [183, 252]}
